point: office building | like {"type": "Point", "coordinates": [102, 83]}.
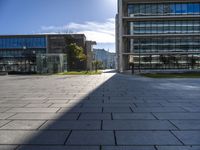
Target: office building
{"type": "Point", "coordinates": [158, 34]}
{"type": "Point", "coordinates": [108, 59]}
{"type": "Point", "coordinates": [18, 52]}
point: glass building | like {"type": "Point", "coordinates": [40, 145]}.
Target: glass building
{"type": "Point", "coordinates": [18, 53]}
{"type": "Point", "coordinates": [158, 34]}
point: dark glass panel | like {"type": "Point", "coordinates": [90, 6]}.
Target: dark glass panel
{"type": "Point", "coordinates": [190, 8]}
{"type": "Point", "coordinates": [184, 9]}
{"type": "Point", "coordinates": [173, 9]}
{"type": "Point", "coordinates": [160, 9]}
{"type": "Point", "coordinates": [131, 9]}
{"type": "Point", "coordinates": [143, 10]}
{"type": "Point", "coordinates": [178, 9]}
{"type": "Point", "coordinates": [196, 8]}
{"type": "Point", "coordinates": [163, 9]}
{"type": "Point", "coordinates": [39, 42]}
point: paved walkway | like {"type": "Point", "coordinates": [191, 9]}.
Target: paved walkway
{"type": "Point", "coordinates": [102, 112]}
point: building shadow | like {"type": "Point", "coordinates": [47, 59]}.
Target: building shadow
{"type": "Point", "coordinates": [84, 116]}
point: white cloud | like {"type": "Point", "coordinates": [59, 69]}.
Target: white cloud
{"type": "Point", "coordinates": [101, 32]}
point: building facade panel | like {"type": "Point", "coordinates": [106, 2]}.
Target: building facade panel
{"type": "Point", "coordinates": [18, 52]}
{"type": "Point", "coordinates": [158, 30]}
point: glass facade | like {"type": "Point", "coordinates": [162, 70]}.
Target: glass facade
{"type": "Point", "coordinates": [179, 45]}
{"type": "Point", "coordinates": [18, 53]}
{"type": "Point", "coordinates": [164, 9]}
{"type": "Point", "coordinates": [167, 44]}
{"type": "Point", "coordinates": [164, 27]}
{"type": "Point", "coordinates": [13, 47]}
{"type": "Point", "coordinates": [20, 42]}
{"type": "Point", "coordinates": [51, 63]}
{"type": "Point", "coordinates": [166, 61]}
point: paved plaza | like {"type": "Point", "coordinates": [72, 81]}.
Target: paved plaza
{"type": "Point", "coordinates": [101, 112]}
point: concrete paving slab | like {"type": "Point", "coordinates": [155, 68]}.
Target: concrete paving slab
{"type": "Point", "coordinates": [137, 125]}
{"type": "Point", "coordinates": [178, 147]}
{"type": "Point", "coordinates": [148, 105]}
{"type": "Point", "coordinates": [192, 109]}
{"type": "Point", "coordinates": [176, 116]}
{"type": "Point", "coordinates": [18, 110]}
{"type": "Point", "coordinates": [91, 110]}
{"type": "Point", "coordinates": [45, 116]}
{"type": "Point", "coordinates": [23, 124]}
{"type": "Point", "coordinates": [95, 116]}
{"type": "Point", "coordinates": [8, 147]}
{"type": "Point", "coordinates": [132, 116]}
{"type": "Point", "coordinates": [72, 125]}
{"type": "Point", "coordinates": [4, 109]}
{"type": "Point", "coordinates": [3, 122]}
{"type": "Point", "coordinates": [146, 138]}
{"type": "Point", "coordinates": [91, 138]}
{"type": "Point", "coordinates": [59, 148]}
{"type": "Point", "coordinates": [159, 109]}
{"type": "Point", "coordinates": [116, 109]}
{"type": "Point", "coordinates": [128, 148]}
{"type": "Point", "coordinates": [187, 124]}
{"type": "Point", "coordinates": [32, 137]}
{"type": "Point", "coordinates": [46, 105]}
{"type": "Point", "coordinates": [188, 137]}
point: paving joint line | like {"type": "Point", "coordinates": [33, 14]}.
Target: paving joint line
{"type": "Point", "coordinates": [174, 125]}
{"type": "Point", "coordinates": [42, 124]}
{"type": "Point", "coordinates": [79, 115]}
{"type": "Point", "coordinates": [177, 138]}
{"type": "Point", "coordinates": [17, 147]}
{"type": "Point", "coordinates": [115, 137]}
{"type": "Point", "coordinates": [67, 137]}
{"type": "Point", "coordinates": [155, 116]}
{"type": "Point", "coordinates": [155, 146]}
{"type": "Point", "coordinates": [131, 109]}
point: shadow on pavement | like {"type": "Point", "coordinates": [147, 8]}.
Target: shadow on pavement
{"type": "Point", "coordinates": [78, 127]}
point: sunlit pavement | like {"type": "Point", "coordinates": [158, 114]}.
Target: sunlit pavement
{"type": "Point", "coordinates": [101, 112]}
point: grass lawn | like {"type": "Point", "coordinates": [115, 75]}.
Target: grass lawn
{"type": "Point", "coordinates": [81, 73]}
{"type": "Point", "coordinates": [172, 75]}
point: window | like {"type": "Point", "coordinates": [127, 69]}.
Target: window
{"type": "Point", "coordinates": [196, 8]}
{"type": "Point", "coordinates": [167, 10]}
{"type": "Point", "coordinates": [154, 9]}
{"type": "Point", "coordinates": [173, 9]}
{"type": "Point", "coordinates": [136, 9]}
{"type": "Point", "coordinates": [160, 9]}
{"type": "Point", "coordinates": [178, 9]}
{"type": "Point", "coordinates": [149, 9]}
{"type": "Point", "coordinates": [190, 8]}
{"type": "Point", "coordinates": [142, 10]}
{"type": "Point", "coordinates": [130, 10]}
{"type": "Point", "coordinates": [184, 9]}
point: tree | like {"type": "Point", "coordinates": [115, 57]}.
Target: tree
{"type": "Point", "coordinates": [75, 55]}
{"type": "Point", "coordinates": [97, 64]}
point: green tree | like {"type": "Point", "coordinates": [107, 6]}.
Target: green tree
{"type": "Point", "coordinates": [75, 55]}
{"type": "Point", "coordinates": [97, 64]}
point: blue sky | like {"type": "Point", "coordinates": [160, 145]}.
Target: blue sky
{"type": "Point", "coordinates": [95, 18]}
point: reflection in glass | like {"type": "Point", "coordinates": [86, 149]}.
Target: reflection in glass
{"type": "Point", "coordinates": [175, 44]}
{"type": "Point", "coordinates": [164, 27]}
{"type": "Point", "coordinates": [32, 42]}
{"type": "Point", "coordinates": [163, 9]}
